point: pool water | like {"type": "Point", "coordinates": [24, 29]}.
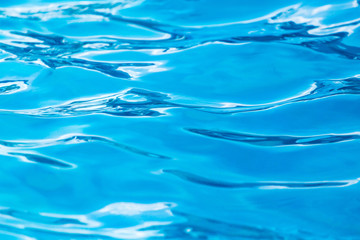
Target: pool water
{"type": "Point", "coordinates": [189, 119]}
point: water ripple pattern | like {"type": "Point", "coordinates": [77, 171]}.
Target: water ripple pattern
{"type": "Point", "coordinates": [190, 119]}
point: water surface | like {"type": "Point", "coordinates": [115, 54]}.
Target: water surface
{"type": "Point", "coordinates": [189, 119]}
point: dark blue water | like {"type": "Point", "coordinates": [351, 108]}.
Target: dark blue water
{"type": "Point", "coordinates": [188, 119]}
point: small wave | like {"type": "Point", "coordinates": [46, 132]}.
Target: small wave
{"type": "Point", "coordinates": [164, 220]}
{"type": "Point", "coordinates": [93, 225]}
{"type": "Point", "coordinates": [276, 141]}
{"type": "Point", "coordinates": [36, 158]}
{"type": "Point", "coordinates": [319, 89]}
{"type": "Point", "coordinates": [260, 184]}
{"type": "Point", "coordinates": [12, 86]}
{"type": "Point", "coordinates": [128, 103]}
{"type": "Point", "coordinates": [144, 103]}
{"type": "Point", "coordinates": [76, 139]}
{"type": "Point", "coordinates": [290, 25]}
{"type": "Point", "coordinates": [105, 43]}
{"type": "Point", "coordinates": [16, 149]}
{"type": "Point", "coordinates": [196, 226]}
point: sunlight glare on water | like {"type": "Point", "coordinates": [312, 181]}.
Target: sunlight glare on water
{"type": "Point", "coordinates": [189, 119]}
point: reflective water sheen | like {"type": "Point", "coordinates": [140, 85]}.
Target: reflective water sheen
{"type": "Point", "coordinates": [188, 119]}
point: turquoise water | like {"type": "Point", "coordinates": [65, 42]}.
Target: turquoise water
{"type": "Point", "coordinates": [189, 119]}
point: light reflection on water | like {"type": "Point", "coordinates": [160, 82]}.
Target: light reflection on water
{"type": "Point", "coordinates": [179, 120]}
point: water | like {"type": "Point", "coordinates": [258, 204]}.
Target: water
{"type": "Point", "coordinates": [188, 119]}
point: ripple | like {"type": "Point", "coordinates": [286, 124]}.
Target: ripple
{"type": "Point", "coordinates": [260, 184]}
{"type": "Point", "coordinates": [291, 25]}
{"type": "Point", "coordinates": [319, 89]}
{"type": "Point", "coordinates": [276, 141]}
{"type": "Point", "coordinates": [93, 225]}
{"type": "Point", "coordinates": [197, 226]}
{"type": "Point", "coordinates": [12, 86]}
{"type": "Point", "coordinates": [16, 149]}
{"type": "Point", "coordinates": [35, 158]}
{"type": "Point", "coordinates": [77, 34]}
{"type": "Point", "coordinates": [164, 221]}
{"type": "Point", "coordinates": [73, 139]}
{"type": "Point", "coordinates": [128, 103]}
{"type": "Point", "coordinates": [136, 102]}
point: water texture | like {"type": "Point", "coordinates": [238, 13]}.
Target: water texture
{"type": "Point", "coordinates": [189, 119]}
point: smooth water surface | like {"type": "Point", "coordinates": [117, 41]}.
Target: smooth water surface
{"type": "Point", "coordinates": [188, 119]}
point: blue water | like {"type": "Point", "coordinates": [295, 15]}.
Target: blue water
{"type": "Point", "coordinates": [188, 119]}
